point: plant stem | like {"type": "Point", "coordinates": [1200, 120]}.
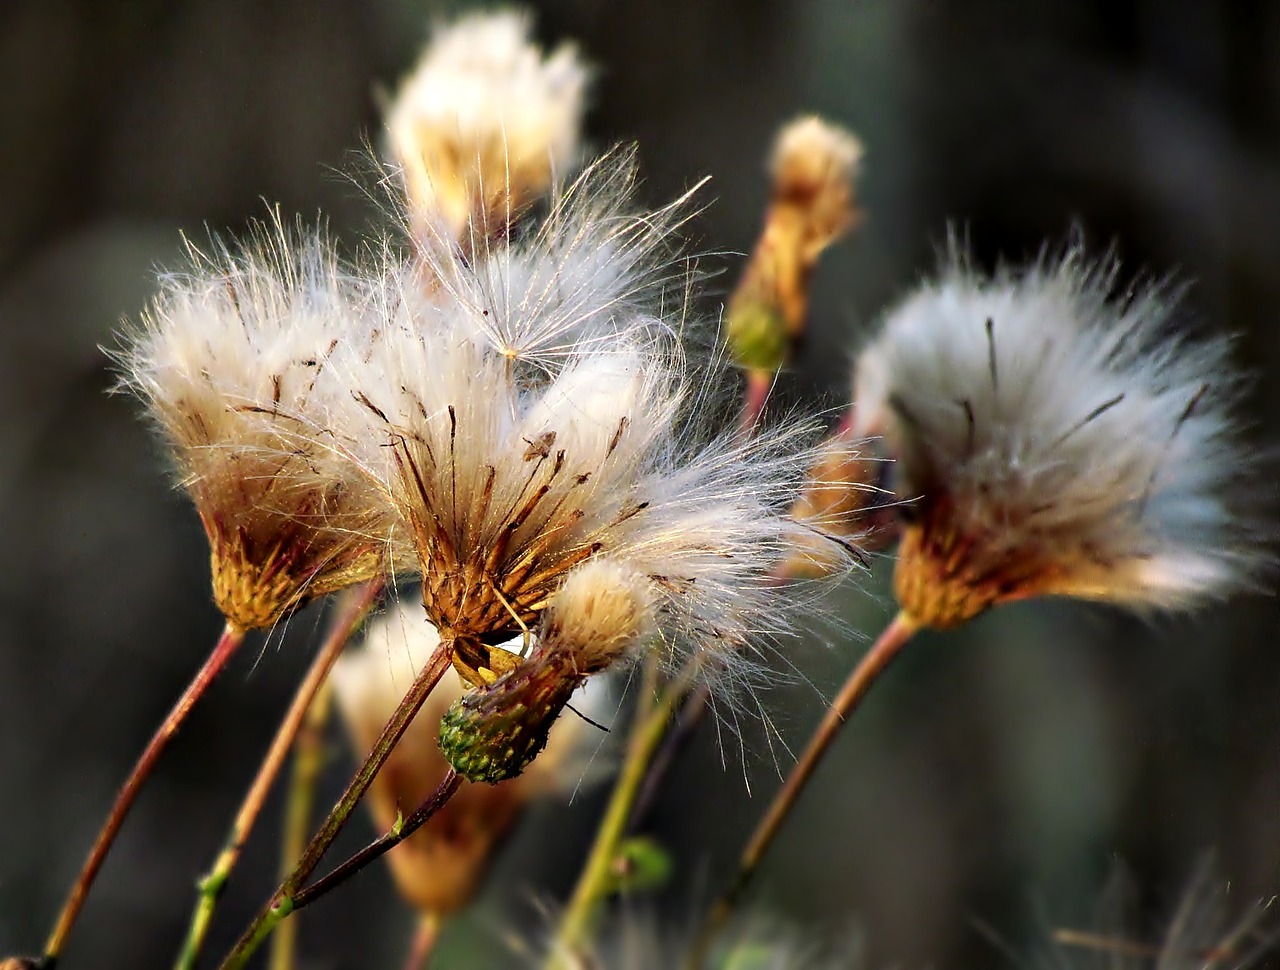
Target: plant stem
{"type": "Point", "coordinates": [424, 941]}
{"type": "Point", "coordinates": [308, 762]}
{"type": "Point", "coordinates": [282, 903]}
{"type": "Point", "coordinates": [230, 639]}
{"type": "Point", "coordinates": [755, 397]}
{"type": "Point", "coordinates": [351, 615]}
{"type": "Point", "coordinates": [287, 903]}
{"type": "Point", "coordinates": [597, 873]}
{"type": "Point", "coordinates": [873, 663]}
{"type": "Point", "coordinates": [449, 784]}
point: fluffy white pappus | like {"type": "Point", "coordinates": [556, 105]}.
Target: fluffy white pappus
{"type": "Point", "coordinates": [442, 864]}
{"type": "Point", "coordinates": [232, 360]}
{"type": "Point", "coordinates": [506, 485]}
{"type": "Point", "coordinates": [594, 269]}
{"type": "Point", "coordinates": [1056, 436]}
{"type": "Point", "coordinates": [602, 612]}
{"type": "Point", "coordinates": [485, 123]}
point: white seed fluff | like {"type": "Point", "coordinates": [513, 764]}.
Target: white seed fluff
{"type": "Point", "coordinates": [1056, 419]}
{"type": "Point", "coordinates": [485, 122]}
{"type": "Point", "coordinates": [509, 476]}
{"type": "Point", "coordinates": [232, 360]}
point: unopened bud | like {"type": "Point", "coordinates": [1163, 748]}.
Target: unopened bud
{"type": "Point", "coordinates": [813, 168]}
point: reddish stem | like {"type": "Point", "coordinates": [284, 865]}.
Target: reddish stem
{"type": "Point", "coordinates": [231, 638]}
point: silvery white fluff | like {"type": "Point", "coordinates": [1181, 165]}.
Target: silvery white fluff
{"type": "Point", "coordinates": [590, 270]}
{"type": "Point", "coordinates": [232, 361]}
{"type": "Point", "coordinates": [485, 122]}
{"type": "Point", "coordinates": [1060, 435]}
{"type": "Point", "coordinates": [508, 477]}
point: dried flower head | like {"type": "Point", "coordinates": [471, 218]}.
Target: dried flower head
{"type": "Point", "coordinates": [232, 361]}
{"type": "Point", "coordinates": [814, 168]}
{"type": "Point", "coordinates": [508, 476]}
{"type": "Point", "coordinates": [484, 123]}
{"type": "Point", "coordinates": [601, 612]}
{"type": "Point", "coordinates": [1055, 437]}
{"type": "Point", "coordinates": [440, 866]}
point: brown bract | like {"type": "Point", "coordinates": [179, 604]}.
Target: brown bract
{"type": "Point", "coordinates": [843, 496]}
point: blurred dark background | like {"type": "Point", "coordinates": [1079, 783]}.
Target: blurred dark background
{"type": "Point", "coordinates": [997, 773]}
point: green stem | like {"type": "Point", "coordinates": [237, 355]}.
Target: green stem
{"type": "Point", "coordinates": [597, 874]}
{"type": "Point", "coordinates": [227, 644]}
{"type": "Point", "coordinates": [308, 762]}
{"type": "Point", "coordinates": [282, 903]}
{"type": "Point", "coordinates": [352, 614]}
{"type": "Point", "coordinates": [873, 663]}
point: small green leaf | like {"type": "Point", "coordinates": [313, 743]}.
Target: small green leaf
{"type": "Point", "coordinates": [641, 865]}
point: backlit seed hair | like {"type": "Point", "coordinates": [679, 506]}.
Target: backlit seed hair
{"type": "Point", "coordinates": [1054, 435]}
{"type": "Point", "coordinates": [484, 124]}
{"type": "Point", "coordinates": [509, 477]}
{"type": "Point", "coordinates": [232, 360]}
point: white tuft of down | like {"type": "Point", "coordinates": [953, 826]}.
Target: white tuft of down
{"type": "Point", "coordinates": [485, 123]}
{"type": "Point", "coordinates": [509, 476]}
{"type": "Point", "coordinates": [232, 359]}
{"type": "Point", "coordinates": [600, 614]}
{"type": "Point", "coordinates": [1067, 421]}
{"type": "Point", "coordinates": [592, 269]}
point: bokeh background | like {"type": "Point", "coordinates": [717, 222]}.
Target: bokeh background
{"type": "Point", "coordinates": [998, 772]}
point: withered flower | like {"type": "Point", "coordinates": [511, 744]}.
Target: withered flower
{"type": "Point", "coordinates": [814, 168]}
{"type": "Point", "coordinates": [233, 363]}
{"type": "Point", "coordinates": [1055, 437]}
{"type": "Point", "coordinates": [484, 124]}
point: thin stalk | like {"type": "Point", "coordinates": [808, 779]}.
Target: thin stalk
{"type": "Point", "coordinates": [424, 941]}
{"type": "Point", "coordinates": [597, 873]}
{"type": "Point", "coordinates": [873, 663]}
{"type": "Point", "coordinates": [308, 762]}
{"type": "Point", "coordinates": [227, 644]}
{"type": "Point", "coordinates": [351, 615]}
{"type": "Point", "coordinates": [448, 786]}
{"type": "Point", "coordinates": [282, 903]}
{"type": "Point", "coordinates": [755, 397]}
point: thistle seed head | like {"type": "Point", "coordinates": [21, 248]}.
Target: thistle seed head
{"type": "Point", "coordinates": [233, 362]}
{"type": "Point", "coordinates": [815, 165]}
{"type": "Point", "coordinates": [509, 474]}
{"type": "Point", "coordinates": [600, 614]}
{"type": "Point", "coordinates": [845, 495]}
{"type": "Point", "coordinates": [484, 123]}
{"type": "Point", "coordinates": [1054, 437]}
